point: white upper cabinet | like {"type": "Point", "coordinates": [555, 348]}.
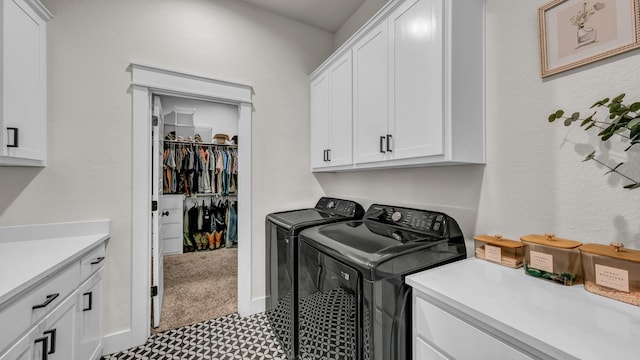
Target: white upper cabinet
{"type": "Point", "coordinates": [23, 120]}
{"type": "Point", "coordinates": [370, 83]}
{"type": "Point", "coordinates": [331, 115]}
{"type": "Point", "coordinates": [418, 86]}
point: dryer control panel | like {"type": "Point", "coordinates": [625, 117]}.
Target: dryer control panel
{"type": "Point", "coordinates": [430, 222]}
{"type": "Point", "coordinates": [340, 207]}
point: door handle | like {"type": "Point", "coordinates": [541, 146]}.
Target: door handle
{"type": "Point", "coordinates": [52, 340]}
{"type": "Point", "coordinates": [90, 293]}
{"type": "Point", "coordinates": [97, 260]}
{"type": "Point", "coordinates": [43, 340]}
{"type": "Point", "coordinates": [50, 298]}
{"type": "Point", "coordinates": [12, 134]}
{"type": "Point", "coordinates": [382, 138]}
{"type": "Point", "coordinates": [389, 136]}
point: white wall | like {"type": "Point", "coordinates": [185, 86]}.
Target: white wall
{"type": "Point", "coordinates": [91, 44]}
{"type": "Point", "coordinates": [534, 180]}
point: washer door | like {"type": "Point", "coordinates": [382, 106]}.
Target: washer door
{"type": "Point", "coordinates": [330, 311]}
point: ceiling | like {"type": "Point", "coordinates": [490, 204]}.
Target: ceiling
{"type": "Point", "coordinates": [328, 15]}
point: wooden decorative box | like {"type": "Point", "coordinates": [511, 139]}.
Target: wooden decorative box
{"type": "Point", "coordinates": [612, 271]}
{"type": "Point", "coordinates": [551, 258]}
{"type": "Point", "coordinates": [499, 250]}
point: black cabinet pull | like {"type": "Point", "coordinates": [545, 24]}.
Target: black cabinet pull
{"type": "Point", "coordinates": [52, 340]}
{"type": "Point", "coordinates": [12, 131]}
{"type": "Point", "coordinates": [165, 213]}
{"type": "Point", "coordinates": [389, 143]}
{"type": "Point", "coordinates": [97, 260]}
{"type": "Point", "coordinates": [328, 154]}
{"type": "Point", "coordinates": [43, 340]}
{"type": "Point", "coordinates": [382, 138]}
{"type": "Point", "coordinates": [324, 155]}
{"type": "Point", "coordinates": [50, 298]}
{"type": "Point", "coordinates": [90, 293]}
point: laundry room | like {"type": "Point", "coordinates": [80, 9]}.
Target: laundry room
{"type": "Point", "coordinates": [463, 140]}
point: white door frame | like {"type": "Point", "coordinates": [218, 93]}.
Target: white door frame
{"type": "Point", "coordinates": [147, 81]}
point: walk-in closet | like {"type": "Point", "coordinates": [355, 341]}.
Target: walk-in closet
{"type": "Point", "coordinates": [196, 175]}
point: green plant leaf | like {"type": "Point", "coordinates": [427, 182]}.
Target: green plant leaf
{"type": "Point", "coordinates": [567, 122]}
{"type": "Point", "coordinates": [575, 116]}
{"type": "Point", "coordinates": [593, 123]}
{"type": "Point", "coordinates": [618, 99]}
{"type": "Point", "coordinates": [586, 120]}
{"type": "Point", "coordinates": [635, 107]}
{"type": "Point", "coordinates": [614, 169]}
{"type": "Point", "coordinates": [590, 156]}
{"type": "Point", "coordinates": [559, 113]}
{"type": "Point", "coordinates": [633, 123]}
{"type": "Point", "coordinates": [600, 103]}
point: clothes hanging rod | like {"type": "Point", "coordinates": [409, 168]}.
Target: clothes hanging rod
{"type": "Point", "coordinates": [209, 194]}
{"type": "Point", "coordinates": [199, 143]}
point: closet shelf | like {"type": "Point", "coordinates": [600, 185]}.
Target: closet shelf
{"type": "Point", "coordinates": [199, 143]}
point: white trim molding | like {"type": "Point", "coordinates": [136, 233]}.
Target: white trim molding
{"type": "Point", "coordinates": [146, 81]}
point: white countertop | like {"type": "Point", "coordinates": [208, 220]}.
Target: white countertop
{"type": "Point", "coordinates": [563, 322]}
{"type": "Point", "coordinates": [28, 255]}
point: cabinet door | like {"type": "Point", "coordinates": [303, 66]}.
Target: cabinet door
{"type": "Point", "coordinates": [340, 113]}
{"type": "Point", "coordinates": [370, 96]}
{"type": "Point", "coordinates": [89, 317]}
{"type": "Point", "coordinates": [24, 348]}
{"type": "Point", "coordinates": [59, 328]}
{"type": "Point", "coordinates": [24, 84]}
{"type": "Point", "coordinates": [171, 217]}
{"type": "Point", "coordinates": [424, 351]}
{"type": "Point", "coordinates": [417, 77]}
{"type": "Point", "coordinates": [319, 120]}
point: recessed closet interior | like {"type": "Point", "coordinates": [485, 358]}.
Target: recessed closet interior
{"type": "Point", "coordinates": [197, 209]}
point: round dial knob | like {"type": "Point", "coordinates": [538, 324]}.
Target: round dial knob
{"type": "Point", "coordinates": [396, 216]}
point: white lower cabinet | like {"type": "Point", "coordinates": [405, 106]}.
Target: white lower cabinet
{"type": "Point", "coordinates": [60, 317]}
{"type": "Point", "coordinates": [438, 334]}
{"type": "Point", "coordinates": [89, 318]}
{"type": "Point", "coordinates": [53, 339]}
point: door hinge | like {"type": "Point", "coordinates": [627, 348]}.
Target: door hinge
{"type": "Point", "coordinates": [154, 205]}
{"type": "Point", "coordinates": [154, 121]}
{"type": "Point", "coordinates": [154, 291]}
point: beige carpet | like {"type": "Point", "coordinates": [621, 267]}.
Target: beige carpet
{"type": "Point", "coordinates": [199, 286]}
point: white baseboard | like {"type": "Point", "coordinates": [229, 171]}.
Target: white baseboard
{"type": "Point", "coordinates": [116, 342]}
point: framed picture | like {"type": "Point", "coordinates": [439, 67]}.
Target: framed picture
{"type": "Point", "coordinates": [579, 32]}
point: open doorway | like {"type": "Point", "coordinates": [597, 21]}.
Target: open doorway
{"type": "Point", "coordinates": [195, 166]}
{"type": "Point", "coordinates": [147, 81]}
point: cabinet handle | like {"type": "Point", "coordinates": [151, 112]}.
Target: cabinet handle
{"type": "Point", "coordinates": [389, 143]}
{"type": "Point", "coordinates": [98, 260]}
{"type": "Point", "coordinates": [328, 154]}
{"type": "Point", "coordinates": [90, 293]}
{"type": "Point", "coordinates": [50, 298]}
{"type": "Point", "coordinates": [43, 340]}
{"type": "Point", "coordinates": [12, 134]}
{"type": "Point", "coordinates": [382, 138]}
{"type": "Point", "coordinates": [52, 340]}
{"type": "Point", "coordinates": [324, 155]}
{"type": "Point", "coordinates": [165, 213]}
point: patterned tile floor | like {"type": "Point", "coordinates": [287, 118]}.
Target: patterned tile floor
{"type": "Point", "coordinates": [228, 337]}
